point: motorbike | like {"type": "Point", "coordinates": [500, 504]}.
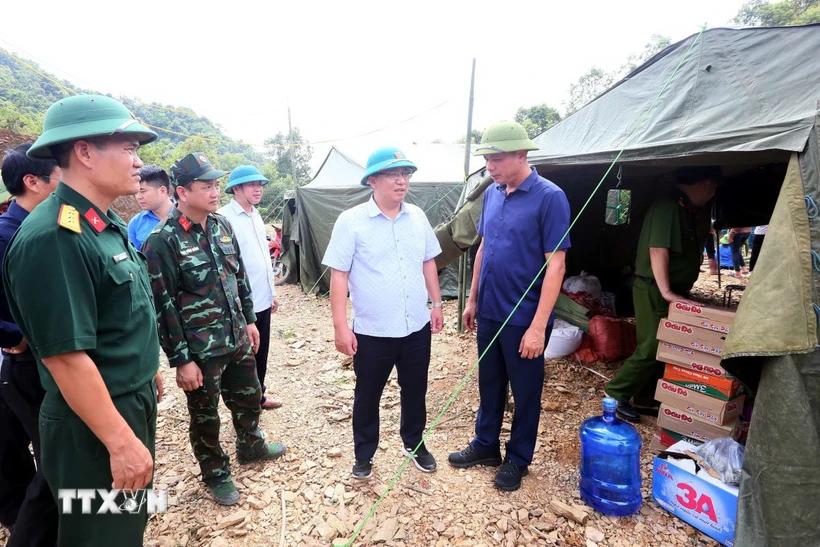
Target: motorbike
{"type": "Point", "coordinates": [280, 271]}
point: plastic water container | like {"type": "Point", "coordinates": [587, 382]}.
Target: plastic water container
{"type": "Point", "coordinates": [610, 463]}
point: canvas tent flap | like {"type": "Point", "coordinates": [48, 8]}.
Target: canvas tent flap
{"type": "Point", "coordinates": [776, 315]}
{"type": "Point", "coordinates": [725, 98]}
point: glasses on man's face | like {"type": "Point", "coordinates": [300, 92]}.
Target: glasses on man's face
{"type": "Point", "coordinates": [394, 176]}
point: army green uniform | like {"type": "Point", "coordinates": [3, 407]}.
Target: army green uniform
{"type": "Point", "coordinates": [204, 305]}
{"type": "Point", "coordinates": [671, 223]}
{"type": "Point", "coordinates": [86, 291]}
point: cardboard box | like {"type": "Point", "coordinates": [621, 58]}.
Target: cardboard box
{"type": "Point", "coordinates": [706, 503]}
{"type": "Point", "coordinates": [691, 425]}
{"type": "Point", "coordinates": [705, 317]}
{"type": "Point", "coordinates": [668, 438]}
{"type": "Point", "coordinates": [655, 446]}
{"type": "Point", "coordinates": [689, 358]}
{"type": "Point", "coordinates": [681, 334]}
{"type": "Point", "coordinates": [721, 387]}
{"type": "Point", "coordinates": [705, 407]}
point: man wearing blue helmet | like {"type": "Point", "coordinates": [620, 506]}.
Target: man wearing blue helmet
{"type": "Point", "coordinates": [383, 252]}
{"type": "Point", "coordinates": [245, 184]}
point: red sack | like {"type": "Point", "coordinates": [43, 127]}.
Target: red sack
{"type": "Point", "coordinates": [611, 338]}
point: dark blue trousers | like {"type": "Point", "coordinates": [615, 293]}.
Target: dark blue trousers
{"type": "Point", "coordinates": [374, 361]}
{"type": "Point", "coordinates": [502, 364]}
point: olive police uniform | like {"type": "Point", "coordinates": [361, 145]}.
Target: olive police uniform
{"type": "Point", "coordinates": [75, 283]}
{"type": "Point", "coordinates": [674, 224]}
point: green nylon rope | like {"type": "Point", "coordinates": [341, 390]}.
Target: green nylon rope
{"type": "Point", "coordinates": [460, 387]}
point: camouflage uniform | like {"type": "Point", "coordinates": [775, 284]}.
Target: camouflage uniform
{"type": "Point", "coordinates": [203, 303]}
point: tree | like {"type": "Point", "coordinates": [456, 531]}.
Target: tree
{"type": "Point", "coordinates": [279, 150]}
{"type": "Point", "coordinates": [537, 119]}
{"type": "Point", "coordinates": [588, 87]}
{"type": "Point", "coordinates": [475, 134]}
{"type": "Point", "coordinates": [596, 81]}
{"type": "Point", "coordinates": [787, 12]}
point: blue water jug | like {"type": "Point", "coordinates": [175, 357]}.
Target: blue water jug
{"type": "Point", "coordinates": [610, 463]}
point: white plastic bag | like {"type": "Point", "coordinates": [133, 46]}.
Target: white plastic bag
{"type": "Point", "coordinates": [583, 283]}
{"type": "Point", "coordinates": [564, 340]}
{"type": "Point", "coordinates": [725, 456]}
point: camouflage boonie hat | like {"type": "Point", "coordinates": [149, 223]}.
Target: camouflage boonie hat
{"type": "Point", "coordinates": [194, 167]}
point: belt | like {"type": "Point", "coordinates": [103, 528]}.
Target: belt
{"type": "Point", "coordinates": [26, 357]}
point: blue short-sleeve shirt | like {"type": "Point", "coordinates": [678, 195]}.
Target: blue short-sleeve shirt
{"type": "Point", "coordinates": [140, 226]}
{"type": "Point", "coordinates": [518, 229]}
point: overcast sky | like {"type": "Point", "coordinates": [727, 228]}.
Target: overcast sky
{"type": "Point", "coordinates": [345, 68]}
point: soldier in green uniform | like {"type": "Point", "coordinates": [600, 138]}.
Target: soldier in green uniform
{"type": "Point", "coordinates": [80, 294]}
{"type": "Point", "coordinates": [206, 323]}
{"type": "Point", "coordinates": [670, 251]}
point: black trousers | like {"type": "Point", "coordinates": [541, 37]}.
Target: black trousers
{"type": "Point", "coordinates": [756, 250]}
{"type": "Point", "coordinates": [373, 363]}
{"type": "Point", "coordinates": [263, 325]}
{"type": "Point", "coordinates": [36, 521]}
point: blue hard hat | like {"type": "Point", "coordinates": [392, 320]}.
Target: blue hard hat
{"type": "Point", "coordinates": [384, 159]}
{"type": "Point", "coordinates": [243, 174]}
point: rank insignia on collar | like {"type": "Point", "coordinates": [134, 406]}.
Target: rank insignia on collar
{"type": "Point", "coordinates": [225, 239]}
{"type": "Point", "coordinates": [94, 219]}
{"type": "Point", "coordinates": [185, 223]}
{"type": "Point", "coordinates": [69, 218]}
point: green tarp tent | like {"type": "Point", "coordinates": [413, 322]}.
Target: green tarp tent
{"type": "Point", "coordinates": [747, 101]}
{"type": "Point", "coordinates": [436, 188]}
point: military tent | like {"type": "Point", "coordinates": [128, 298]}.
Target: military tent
{"type": "Point", "coordinates": [745, 100]}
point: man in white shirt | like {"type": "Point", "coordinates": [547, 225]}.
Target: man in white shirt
{"type": "Point", "coordinates": [383, 251]}
{"type": "Point", "coordinates": [246, 184]}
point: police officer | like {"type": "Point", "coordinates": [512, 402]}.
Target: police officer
{"type": "Point", "coordinates": [670, 250]}
{"type": "Point", "coordinates": [206, 323]}
{"type": "Point", "coordinates": [80, 294]}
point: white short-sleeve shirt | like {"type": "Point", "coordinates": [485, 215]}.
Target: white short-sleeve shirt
{"type": "Point", "coordinates": [384, 258]}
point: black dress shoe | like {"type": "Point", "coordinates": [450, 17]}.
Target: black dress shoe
{"type": "Point", "coordinates": [470, 457]}
{"type": "Point", "coordinates": [646, 410]}
{"type": "Point", "coordinates": [627, 412]}
{"type": "Point", "coordinates": [509, 476]}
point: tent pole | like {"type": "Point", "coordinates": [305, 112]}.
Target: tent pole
{"type": "Point", "coordinates": [291, 146]}
{"type": "Point", "coordinates": [462, 261]}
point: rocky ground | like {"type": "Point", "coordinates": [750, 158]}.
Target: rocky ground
{"type": "Point", "coordinates": [308, 498]}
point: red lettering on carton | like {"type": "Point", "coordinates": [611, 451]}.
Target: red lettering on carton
{"type": "Point", "coordinates": [674, 388]}
{"type": "Point", "coordinates": [688, 308]}
{"type": "Point", "coordinates": [680, 328]}
{"type": "Point", "coordinates": [677, 415]}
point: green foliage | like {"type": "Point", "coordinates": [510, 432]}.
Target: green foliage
{"type": "Point", "coordinates": [787, 12]}
{"type": "Point", "coordinates": [537, 119]}
{"type": "Point", "coordinates": [25, 96]}
{"type": "Point", "coordinates": [475, 135]}
{"type": "Point", "coordinates": [282, 147]}
{"type": "Point", "coordinates": [596, 81]}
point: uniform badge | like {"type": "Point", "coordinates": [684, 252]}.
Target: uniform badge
{"type": "Point", "coordinates": [225, 239]}
{"type": "Point", "coordinates": [120, 257]}
{"type": "Point", "coordinates": [94, 219]}
{"type": "Point", "coordinates": [185, 223]}
{"type": "Point", "coordinates": [399, 155]}
{"type": "Point", "coordinates": [69, 218]}
{"type": "Point", "coordinates": [203, 159]}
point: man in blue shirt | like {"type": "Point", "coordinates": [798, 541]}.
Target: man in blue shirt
{"type": "Point", "coordinates": [154, 198]}
{"type": "Point", "coordinates": [524, 223]}
{"type": "Point", "coordinates": [25, 499]}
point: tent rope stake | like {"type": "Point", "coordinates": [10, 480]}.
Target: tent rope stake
{"type": "Point", "coordinates": [470, 373]}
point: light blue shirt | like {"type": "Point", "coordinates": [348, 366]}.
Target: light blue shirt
{"type": "Point", "coordinates": [140, 226]}
{"type": "Point", "coordinates": [249, 230]}
{"type": "Point", "coordinates": [384, 258]}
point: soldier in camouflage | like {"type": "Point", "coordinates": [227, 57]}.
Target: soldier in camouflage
{"type": "Point", "coordinates": [206, 323]}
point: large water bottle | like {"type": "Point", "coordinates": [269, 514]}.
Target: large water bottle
{"type": "Point", "coordinates": [610, 463]}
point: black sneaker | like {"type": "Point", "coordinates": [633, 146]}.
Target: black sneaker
{"type": "Point", "coordinates": [627, 412]}
{"type": "Point", "coordinates": [470, 457]}
{"type": "Point", "coordinates": [646, 410]}
{"type": "Point", "coordinates": [509, 476]}
{"type": "Point", "coordinates": [363, 469]}
{"type": "Point", "coordinates": [423, 460]}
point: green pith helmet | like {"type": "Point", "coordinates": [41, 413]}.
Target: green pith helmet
{"type": "Point", "coordinates": [84, 116]}
{"type": "Point", "coordinates": [504, 137]}
{"type": "Point", "coordinates": [193, 167]}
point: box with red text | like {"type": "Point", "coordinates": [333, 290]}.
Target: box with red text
{"type": "Point", "coordinates": [681, 334]}
{"type": "Point", "coordinates": [705, 317]}
{"type": "Point", "coordinates": [709, 409]}
{"type": "Point", "coordinates": [680, 421]}
{"type": "Point", "coordinates": [690, 358]}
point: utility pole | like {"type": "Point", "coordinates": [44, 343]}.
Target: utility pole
{"type": "Point", "coordinates": [462, 260]}
{"type": "Point", "coordinates": [291, 145]}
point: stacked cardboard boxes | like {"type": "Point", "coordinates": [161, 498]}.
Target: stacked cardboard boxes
{"type": "Point", "coordinates": [699, 400]}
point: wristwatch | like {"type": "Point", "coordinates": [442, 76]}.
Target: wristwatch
{"type": "Point", "coordinates": [436, 304]}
